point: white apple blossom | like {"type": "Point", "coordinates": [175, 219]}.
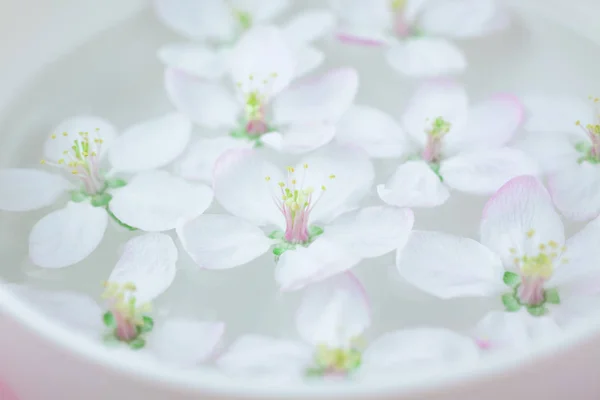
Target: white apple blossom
{"type": "Point", "coordinates": [213, 26]}
{"type": "Point", "coordinates": [330, 321]}
{"type": "Point", "coordinates": [446, 143]}
{"type": "Point", "coordinates": [152, 200]}
{"type": "Point", "coordinates": [319, 229]}
{"type": "Point", "coordinates": [416, 33]}
{"type": "Point", "coordinates": [522, 258]}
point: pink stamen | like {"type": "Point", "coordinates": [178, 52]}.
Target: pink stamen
{"type": "Point", "coordinates": [256, 127]}
{"type": "Point", "coordinates": [402, 28]}
{"type": "Point", "coordinates": [531, 290]}
{"type": "Point", "coordinates": [126, 329]}
{"type": "Point", "coordinates": [433, 149]}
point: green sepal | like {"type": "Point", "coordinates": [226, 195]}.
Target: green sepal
{"type": "Point", "coordinates": [315, 372]}
{"type": "Point", "coordinates": [537, 311]}
{"type": "Point", "coordinates": [551, 296]}
{"type": "Point", "coordinates": [511, 279]}
{"type": "Point", "coordinates": [510, 301]}
{"type": "Point", "coordinates": [101, 200]}
{"type": "Point", "coordinates": [137, 343]}
{"type": "Point", "coordinates": [78, 196]}
{"type": "Point", "coordinates": [118, 221]}
{"type": "Point", "coordinates": [279, 251]}
{"type": "Point", "coordinates": [109, 319]}
{"type": "Point", "coordinates": [314, 231]}
{"type": "Point", "coordinates": [582, 147]}
{"type": "Point", "coordinates": [277, 235]}
{"type": "Point", "coordinates": [282, 248]}
{"type": "Point", "coordinates": [435, 167]}
{"type": "Point", "coordinates": [115, 183]}
{"type": "Point", "coordinates": [148, 325]}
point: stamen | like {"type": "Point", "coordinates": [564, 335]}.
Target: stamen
{"type": "Point", "coordinates": [433, 149]}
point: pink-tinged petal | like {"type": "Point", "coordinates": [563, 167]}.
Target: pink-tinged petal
{"type": "Point", "coordinates": [501, 331]}
{"type": "Point", "coordinates": [67, 236]}
{"type": "Point", "coordinates": [435, 99]}
{"type": "Point", "coordinates": [426, 57]}
{"type": "Point", "coordinates": [518, 218]}
{"type": "Point", "coordinates": [449, 266]}
{"type": "Point", "coordinates": [155, 201]}
{"type": "Point", "coordinates": [207, 19]}
{"type": "Point", "coordinates": [206, 103]}
{"type": "Point", "coordinates": [150, 262]}
{"type": "Point", "coordinates": [490, 125]}
{"type": "Point", "coordinates": [325, 98]}
{"type": "Point", "coordinates": [373, 130]}
{"type": "Point", "coordinates": [484, 172]}
{"type": "Point", "coordinates": [222, 241]}
{"type": "Point", "coordinates": [29, 189]}
{"type": "Point", "coordinates": [575, 190]}
{"type": "Point", "coordinates": [263, 54]}
{"type": "Point", "coordinates": [361, 38]}
{"type": "Point", "coordinates": [372, 231]}
{"type": "Point", "coordinates": [194, 59]}
{"type": "Point", "coordinates": [308, 26]}
{"type": "Point", "coordinates": [300, 138]}
{"type": "Point", "coordinates": [414, 184]}
{"type": "Point", "coordinates": [306, 265]}
{"type": "Point", "coordinates": [151, 144]}
{"type": "Point", "coordinates": [459, 18]}
{"type": "Point", "coordinates": [308, 58]}
{"type": "Point", "coordinates": [63, 135]}
{"type": "Point", "coordinates": [347, 174]}
{"type": "Point", "coordinates": [423, 347]}
{"type": "Point", "coordinates": [242, 189]}
{"type": "Point", "coordinates": [199, 161]}
{"type": "Point", "coordinates": [557, 114]}
{"type": "Point", "coordinates": [334, 312]}
{"type": "Point", "coordinates": [185, 342]}
{"type": "Point", "coordinates": [262, 355]}
{"type": "Point", "coordinates": [553, 151]}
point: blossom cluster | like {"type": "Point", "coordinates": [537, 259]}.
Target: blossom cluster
{"type": "Point", "coordinates": [291, 165]}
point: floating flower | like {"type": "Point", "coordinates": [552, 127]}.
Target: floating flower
{"type": "Point", "coordinates": [416, 32]}
{"type": "Point", "coordinates": [215, 25]}
{"type": "Point", "coordinates": [152, 200]}
{"type": "Point", "coordinates": [331, 320]}
{"type": "Point", "coordinates": [523, 257]}
{"type": "Point", "coordinates": [144, 271]}
{"type": "Point", "coordinates": [565, 139]}
{"type": "Point", "coordinates": [446, 143]}
{"type": "Point", "coordinates": [265, 109]}
{"type": "Point", "coordinates": [319, 230]}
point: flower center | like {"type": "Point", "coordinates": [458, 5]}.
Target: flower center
{"type": "Point", "coordinates": [126, 319]}
{"type": "Point", "coordinates": [400, 26]}
{"type": "Point", "coordinates": [335, 362]}
{"type": "Point", "coordinates": [82, 160]}
{"type": "Point", "coordinates": [256, 97]}
{"type": "Point", "coordinates": [590, 151]}
{"type": "Point", "coordinates": [432, 153]}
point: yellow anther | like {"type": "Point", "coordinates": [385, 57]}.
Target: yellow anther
{"type": "Point", "coordinates": [578, 123]}
{"type": "Point", "coordinates": [74, 172]}
{"type": "Point", "coordinates": [530, 233]}
{"type": "Point", "coordinates": [65, 134]}
{"type": "Point", "coordinates": [290, 169]}
{"type": "Point", "coordinates": [516, 260]}
{"type": "Point", "coordinates": [251, 77]}
{"type": "Point", "coordinates": [332, 176]}
{"type": "Point", "coordinates": [61, 161]}
{"type": "Point", "coordinates": [294, 182]}
{"type": "Point", "coordinates": [542, 246]}
{"type": "Point", "coordinates": [512, 250]}
{"type": "Point", "coordinates": [323, 188]}
{"type": "Point", "coordinates": [553, 244]}
{"type": "Point", "coordinates": [305, 166]}
{"type": "Point", "coordinates": [267, 178]}
{"type": "Point", "coordinates": [274, 75]}
{"type": "Point", "coordinates": [565, 261]}
{"type": "Point", "coordinates": [53, 136]}
{"type": "Point", "coordinates": [281, 184]}
{"type": "Point", "coordinates": [42, 161]}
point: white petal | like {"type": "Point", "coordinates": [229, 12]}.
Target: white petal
{"type": "Point", "coordinates": [375, 13]}
{"type": "Point", "coordinates": [325, 98]}
{"type": "Point", "coordinates": [155, 201]}
{"type": "Point", "coordinates": [551, 150]}
{"type": "Point", "coordinates": [263, 54]}
{"type": "Point", "coordinates": [444, 99]}
{"type": "Point", "coordinates": [557, 114]}
{"type": "Point", "coordinates": [373, 130]}
{"type": "Point", "coordinates": [29, 189]}
{"type": "Point", "coordinates": [300, 138]}
{"type": "Point", "coordinates": [418, 348]}
{"type": "Point", "coordinates": [67, 236]}
{"type": "Point", "coordinates": [575, 190]}
{"type": "Point", "coordinates": [353, 173]}
{"type": "Point", "coordinates": [222, 241]}
{"type": "Point", "coordinates": [372, 231]}
{"type": "Point", "coordinates": [254, 354]}
{"type": "Point", "coordinates": [194, 59]}
{"type": "Point", "coordinates": [520, 206]}
{"type": "Point", "coordinates": [97, 128]}
{"type": "Point", "coordinates": [78, 312]}
{"type": "Point", "coordinates": [501, 331]}
{"type": "Point", "coordinates": [576, 310]}
{"type": "Point", "coordinates": [151, 144]}
{"type": "Point", "coordinates": [449, 266]}
{"type": "Point", "coordinates": [485, 171]}
{"type": "Point", "coordinates": [207, 19]}
{"type": "Point", "coordinates": [262, 11]}
{"type": "Point", "coordinates": [149, 261]}
{"type": "Point", "coordinates": [206, 103]}
{"type": "Point", "coordinates": [458, 18]}
{"type": "Point", "coordinates": [308, 26]}
{"type": "Point", "coordinates": [240, 187]}
{"type": "Point", "coordinates": [305, 265]}
{"type": "Point", "coordinates": [199, 161]}
{"type": "Point", "coordinates": [414, 184]}
{"type": "Point", "coordinates": [490, 125]}
{"type": "Point", "coordinates": [185, 342]}
{"type": "Point", "coordinates": [334, 312]}
{"type": "Point", "coordinates": [426, 57]}
{"type": "Point", "coordinates": [308, 58]}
